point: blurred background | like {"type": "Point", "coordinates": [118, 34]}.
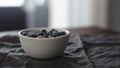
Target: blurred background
{"type": "Point", "coordinates": [21, 14]}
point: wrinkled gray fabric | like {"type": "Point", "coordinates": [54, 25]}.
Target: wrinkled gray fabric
{"type": "Point", "coordinates": [13, 56]}
{"type": "Point", "coordinates": [103, 50]}
{"type": "Point", "coordinates": [99, 51]}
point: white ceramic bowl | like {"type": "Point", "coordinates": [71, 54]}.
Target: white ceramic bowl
{"type": "Point", "coordinates": [44, 48]}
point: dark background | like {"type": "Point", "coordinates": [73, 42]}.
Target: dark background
{"type": "Point", "coordinates": [12, 18]}
{"type": "Point", "coordinates": [114, 15]}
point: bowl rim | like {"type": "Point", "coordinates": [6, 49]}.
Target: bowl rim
{"type": "Point", "coordinates": [65, 30]}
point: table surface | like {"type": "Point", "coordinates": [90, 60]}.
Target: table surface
{"type": "Point", "coordinates": [81, 31]}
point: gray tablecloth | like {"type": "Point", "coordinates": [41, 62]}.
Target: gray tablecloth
{"type": "Point", "coordinates": [97, 51]}
{"type": "Point", "coordinates": [103, 50]}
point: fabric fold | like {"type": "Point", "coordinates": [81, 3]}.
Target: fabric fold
{"type": "Point", "coordinates": [12, 55]}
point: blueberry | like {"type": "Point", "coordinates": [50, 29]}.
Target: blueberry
{"type": "Point", "coordinates": [44, 31]}
{"type": "Point", "coordinates": [46, 35]}
{"type": "Point", "coordinates": [41, 34]}
{"type": "Point", "coordinates": [62, 33]}
{"type": "Point", "coordinates": [56, 34]}
{"type": "Point", "coordinates": [53, 33]}
{"type": "Point", "coordinates": [50, 33]}
{"type": "Point", "coordinates": [53, 30]}
{"type": "Point", "coordinates": [59, 34]}
{"type": "Point", "coordinates": [32, 34]}
{"type": "Point", "coordinates": [49, 36]}
{"type": "Point", "coordinates": [40, 37]}
{"type": "Point", "coordinates": [24, 33]}
{"type": "Point", "coordinates": [37, 33]}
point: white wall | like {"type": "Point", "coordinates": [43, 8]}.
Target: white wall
{"type": "Point", "coordinates": [77, 13]}
{"type": "Point", "coordinates": [59, 13]}
{"type": "Point", "coordinates": [81, 13]}
{"type": "Point", "coordinates": [70, 13]}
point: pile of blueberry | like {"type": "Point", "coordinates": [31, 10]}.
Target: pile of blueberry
{"type": "Point", "coordinates": [43, 33]}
